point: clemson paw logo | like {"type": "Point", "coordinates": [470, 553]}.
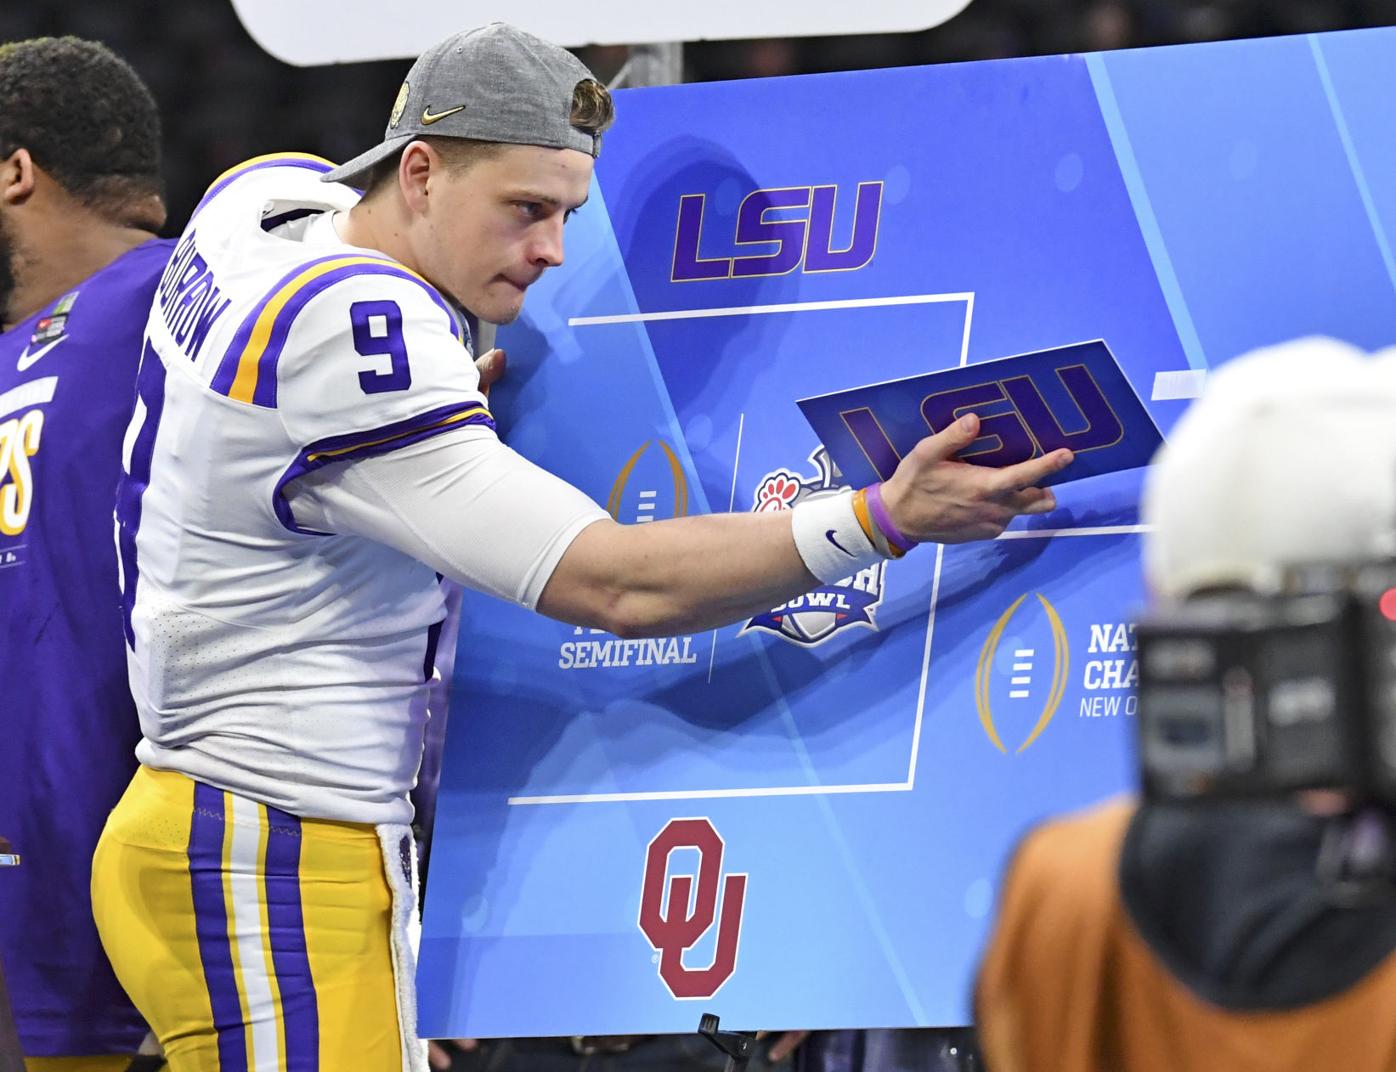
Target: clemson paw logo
{"type": "Point", "coordinates": [777, 492]}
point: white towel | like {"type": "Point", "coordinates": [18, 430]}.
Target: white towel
{"type": "Point", "coordinates": [400, 865]}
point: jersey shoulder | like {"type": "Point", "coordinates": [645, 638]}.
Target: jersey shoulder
{"type": "Point", "coordinates": [373, 362]}
{"type": "Point", "coordinates": [287, 175]}
{"type": "Point", "coordinates": [336, 305]}
{"type": "Point", "coordinates": [231, 226]}
{"type": "Point", "coordinates": [136, 268]}
{"type": "Point", "coordinates": [286, 298]}
{"type": "Point", "coordinates": [108, 307]}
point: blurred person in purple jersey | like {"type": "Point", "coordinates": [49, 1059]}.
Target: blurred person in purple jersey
{"type": "Point", "coordinates": [80, 203]}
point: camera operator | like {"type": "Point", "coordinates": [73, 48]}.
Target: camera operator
{"type": "Point", "coordinates": [1243, 915]}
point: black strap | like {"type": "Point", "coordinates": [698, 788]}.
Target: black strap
{"type": "Point", "coordinates": [1226, 897]}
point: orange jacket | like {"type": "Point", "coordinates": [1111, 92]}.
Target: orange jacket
{"type": "Point", "coordinates": [1068, 985]}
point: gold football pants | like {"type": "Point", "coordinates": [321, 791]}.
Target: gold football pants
{"type": "Point", "coordinates": [248, 938]}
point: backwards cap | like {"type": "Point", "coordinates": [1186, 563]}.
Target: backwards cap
{"type": "Point", "coordinates": [494, 83]}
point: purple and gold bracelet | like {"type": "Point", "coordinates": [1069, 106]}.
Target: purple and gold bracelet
{"type": "Point", "coordinates": [878, 509]}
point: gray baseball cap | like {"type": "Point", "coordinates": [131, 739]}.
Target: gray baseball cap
{"type": "Point", "coordinates": [493, 83]}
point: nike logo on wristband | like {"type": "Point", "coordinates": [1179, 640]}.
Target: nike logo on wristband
{"type": "Point", "coordinates": [830, 537]}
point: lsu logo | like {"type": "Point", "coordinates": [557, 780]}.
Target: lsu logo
{"type": "Point", "coordinates": [798, 221]}
{"type": "Point", "coordinates": [674, 918]}
{"type": "Point", "coordinates": [817, 615]}
{"type": "Point", "coordinates": [651, 484]}
{"type": "Point", "coordinates": [1035, 668]}
{"type": "Point", "coordinates": [1016, 420]}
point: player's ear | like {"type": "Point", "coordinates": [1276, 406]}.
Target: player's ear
{"type": "Point", "coordinates": [17, 177]}
{"type": "Point", "coordinates": [415, 169]}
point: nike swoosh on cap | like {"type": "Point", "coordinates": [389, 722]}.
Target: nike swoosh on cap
{"type": "Point", "coordinates": [26, 358]}
{"type": "Point", "coordinates": [830, 537]}
{"type": "Point", "coordinates": [429, 117]}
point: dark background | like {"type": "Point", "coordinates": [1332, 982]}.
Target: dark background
{"type": "Point", "coordinates": [223, 99]}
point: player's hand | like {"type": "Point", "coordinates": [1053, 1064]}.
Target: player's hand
{"type": "Point", "coordinates": [785, 1045]}
{"type": "Point", "coordinates": [933, 498]}
{"type": "Point", "coordinates": [439, 1052]}
{"type": "Point", "coordinates": [491, 365]}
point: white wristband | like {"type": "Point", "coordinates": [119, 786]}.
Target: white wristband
{"type": "Point", "coordinates": [829, 538]}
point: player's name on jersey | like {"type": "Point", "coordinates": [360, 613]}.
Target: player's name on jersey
{"type": "Point", "coordinates": [189, 299]}
{"type": "Point", "coordinates": [612, 651]}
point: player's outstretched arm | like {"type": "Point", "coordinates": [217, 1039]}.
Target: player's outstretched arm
{"type": "Point", "coordinates": [695, 573]}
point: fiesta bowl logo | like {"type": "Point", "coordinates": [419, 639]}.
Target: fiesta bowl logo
{"type": "Point", "coordinates": [1034, 665]}
{"type": "Point", "coordinates": [817, 615]}
{"type": "Point", "coordinates": [650, 485]}
{"type": "Point", "coordinates": [675, 917]}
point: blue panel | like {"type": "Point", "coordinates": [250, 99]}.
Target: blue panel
{"type": "Point", "coordinates": [1246, 170]}
{"type": "Point", "coordinates": [1361, 80]}
{"type": "Point", "coordinates": [799, 819]}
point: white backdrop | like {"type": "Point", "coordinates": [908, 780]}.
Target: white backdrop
{"type": "Point", "coordinates": [311, 32]}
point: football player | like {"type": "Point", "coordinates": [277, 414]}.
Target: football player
{"type": "Point", "coordinates": [310, 450]}
{"type": "Point", "coordinates": [80, 203]}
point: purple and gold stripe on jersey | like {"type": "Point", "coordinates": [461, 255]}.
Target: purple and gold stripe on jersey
{"type": "Point", "coordinates": [381, 440]}
{"type": "Point", "coordinates": [244, 861]}
{"type": "Point", "coordinates": [258, 163]}
{"type": "Point", "coordinates": [247, 372]}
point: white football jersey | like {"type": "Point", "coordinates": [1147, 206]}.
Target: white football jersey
{"type": "Point", "coordinates": [265, 657]}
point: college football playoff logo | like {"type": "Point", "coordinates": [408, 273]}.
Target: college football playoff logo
{"type": "Point", "coordinates": [1026, 672]}
{"type": "Point", "coordinates": [650, 486]}
{"type": "Point", "coordinates": [817, 615]}
{"type": "Point", "coordinates": [675, 917]}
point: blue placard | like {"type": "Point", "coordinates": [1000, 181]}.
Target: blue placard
{"type": "Point", "coordinates": [1029, 405]}
{"type": "Point", "coordinates": [799, 819]}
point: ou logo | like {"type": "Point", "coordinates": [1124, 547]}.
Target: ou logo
{"type": "Point", "coordinates": [676, 923]}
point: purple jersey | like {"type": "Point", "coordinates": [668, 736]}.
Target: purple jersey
{"type": "Point", "coordinates": [67, 383]}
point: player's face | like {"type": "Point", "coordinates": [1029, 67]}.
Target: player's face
{"type": "Point", "coordinates": [497, 226]}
